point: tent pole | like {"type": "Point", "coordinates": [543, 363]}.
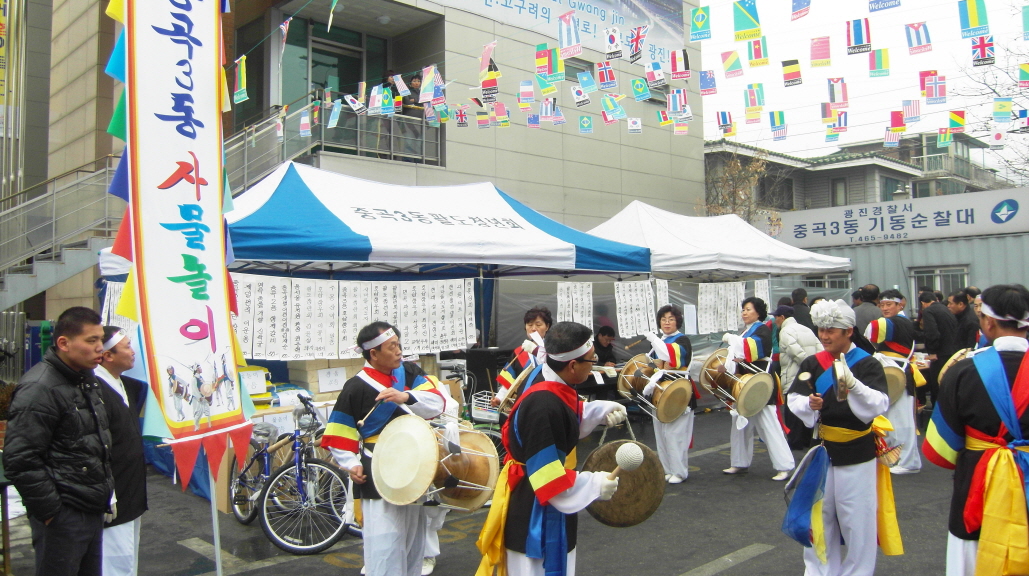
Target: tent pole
{"type": "Point", "coordinates": [482, 310]}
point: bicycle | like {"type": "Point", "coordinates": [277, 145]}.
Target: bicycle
{"type": "Point", "coordinates": [247, 485]}
{"type": "Point", "coordinates": [304, 504]}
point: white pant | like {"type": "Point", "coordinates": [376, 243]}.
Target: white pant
{"type": "Point", "coordinates": [902, 416]}
{"type": "Point", "coordinates": [434, 517]}
{"type": "Point", "coordinates": [394, 538]}
{"type": "Point", "coordinates": [673, 443]}
{"type": "Point", "coordinates": [121, 549]}
{"type": "Point", "coordinates": [961, 556]}
{"type": "Point", "coordinates": [519, 564]}
{"type": "Point", "coordinates": [848, 507]}
{"type": "Point", "coordinates": [766, 424]}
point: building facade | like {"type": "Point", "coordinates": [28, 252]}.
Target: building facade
{"type": "Point", "coordinates": [578, 179]}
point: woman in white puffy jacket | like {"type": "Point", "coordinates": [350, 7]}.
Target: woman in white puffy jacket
{"type": "Point", "coordinates": [796, 342]}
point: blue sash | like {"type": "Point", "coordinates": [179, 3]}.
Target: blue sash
{"type": "Point", "coordinates": [380, 416]}
{"type": "Point", "coordinates": [995, 379]}
{"type": "Point", "coordinates": [826, 379]}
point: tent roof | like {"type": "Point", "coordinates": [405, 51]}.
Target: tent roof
{"type": "Point", "coordinates": [301, 216]}
{"type": "Point", "coordinates": [713, 245]}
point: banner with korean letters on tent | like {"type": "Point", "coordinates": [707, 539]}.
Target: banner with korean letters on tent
{"type": "Point", "coordinates": [309, 319]}
{"type": "Point", "coordinates": [175, 90]}
{"type": "Point", "coordinates": [575, 302]}
{"type": "Point", "coordinates": [634, 303]}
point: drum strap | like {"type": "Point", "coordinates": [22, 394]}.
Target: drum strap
{"type": "Point", "coordinates": [827, 379]}
{"type": "Point", "coordinates": [377, 419]}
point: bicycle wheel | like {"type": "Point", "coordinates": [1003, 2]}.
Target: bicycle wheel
{"type": "Point", "coordinates": [495, 436]}
{"type": "Point", "coordinates": [302, 513]}
{"type": "Point", "coordinates": [246, 486]}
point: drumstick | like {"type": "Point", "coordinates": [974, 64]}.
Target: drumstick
{"type": "Point", "coordinates": [629, 457]}
{"type": "Point", "coordinates": [360, 422]}
{"type": "Point", "coordinates": [805, 377]}
{"type": "Point", "coordinates": [627, 346]}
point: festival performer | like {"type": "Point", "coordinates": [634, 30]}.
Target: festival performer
{"type": "Point", "coordinates": [673, 351]}
{"type": "Point", "coordinates": [531, 527]}
{"type": "Point", "coordinates": [530, 355]}
{"type": "Point", "coordinates": [394, 536]}
{"type": "Point", "coordinates": [754, 347]}
{"type": "Point", "coordinates": [842, 470]}
{"type": "Point", "coordinates": [123, 397]}
{"type": "Point", "coordinates": [436, 515]}
{"type": "Point", "coordinates": [979, 429]}
{"type": "Point", "coordinates": [894, 338]}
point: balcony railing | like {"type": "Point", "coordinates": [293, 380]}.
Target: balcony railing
{"type": "Point", "coordinates": [257, 151]}
{"type": "Point", "coordinates": [944, 165]}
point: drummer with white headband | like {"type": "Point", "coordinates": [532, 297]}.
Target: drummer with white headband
{"type": "Point", "coordinates": [529, 356]}
{"type": "Point", "coordinates": [540, 436]}
{"type": "Point", "coordinates": [386, 388]}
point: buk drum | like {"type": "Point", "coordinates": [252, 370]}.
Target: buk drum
{"type": "Point", "coordinates": [751, 392]}
{"type": "Point", "coordinates": [896, 383]}
{"type": "Point", "coordinates": [957, 357]}
{"type": "Point", "coordinates": [413, 459]}
{"type": "Point", "coordinates": [635, 374]}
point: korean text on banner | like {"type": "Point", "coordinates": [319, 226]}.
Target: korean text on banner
{"type": "Point", "coordinates": [175, 142]}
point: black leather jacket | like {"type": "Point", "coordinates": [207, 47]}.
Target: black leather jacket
{"type": "Point", "coordinates": [57, 448]}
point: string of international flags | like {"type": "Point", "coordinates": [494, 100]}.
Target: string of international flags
{"type": "Point", "coordinates": [974, 26]}
{"type": "Point", "coordinates": [550, 70]}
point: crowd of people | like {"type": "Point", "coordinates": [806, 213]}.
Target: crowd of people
{"type": "Point", "coordinates": [74, 449]}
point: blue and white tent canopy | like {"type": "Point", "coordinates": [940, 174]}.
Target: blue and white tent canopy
{"type": "Point", "coordinates": [309, 217]}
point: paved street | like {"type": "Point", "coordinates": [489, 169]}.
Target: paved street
{"type": "Point", "coordinates": [711, 524]}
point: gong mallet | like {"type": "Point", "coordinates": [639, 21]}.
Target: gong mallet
{"type": "Point", "coordinates": [628, 458]}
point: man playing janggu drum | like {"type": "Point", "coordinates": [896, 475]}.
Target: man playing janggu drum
{"type": "Point", "coordinates": [531, 527]}
{"type": "Point", "coordinates": [386, 388]}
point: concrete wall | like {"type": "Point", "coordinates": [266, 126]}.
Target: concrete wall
{"type": "Point", "coordinates": [37, 86]}
{"type": "Point", "coordinates": [580, 180]}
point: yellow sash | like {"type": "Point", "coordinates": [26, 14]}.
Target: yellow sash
{"type": "Point", "coordinates": [886, 514]}
{"type": "Point", "coordinates": [1004, 537]}
{"type": "Point", "coordinates": [491, 538]}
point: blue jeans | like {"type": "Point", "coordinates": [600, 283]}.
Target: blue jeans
{"type": "Point", "coordinates": [71, 545]}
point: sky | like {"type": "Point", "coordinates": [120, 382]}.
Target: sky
{"type": "Point", "coordinates": [871, 99]}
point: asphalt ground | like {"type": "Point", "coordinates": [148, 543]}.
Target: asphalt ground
{"type": "Point", "coordinates": [711, 524]}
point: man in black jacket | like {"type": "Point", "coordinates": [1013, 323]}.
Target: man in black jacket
{"type": "Point", "coordinates": [123, 396]}
{"type": "Point", "coordinates": [939, 333]}
{"type": "Point", "coordinates": [968, 324]}
{"type": "Point", "coordinates": [801, 311]}
{"type": "Point", "coordinates": [57, 450]}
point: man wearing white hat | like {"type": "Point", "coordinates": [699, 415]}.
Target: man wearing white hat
{"type": "Point", "coordinates": [842, 401]}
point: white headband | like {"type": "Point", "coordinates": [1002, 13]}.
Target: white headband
{"type": "Point", "coordinates": [572, 355]}
{"type": "Point", "coordinates": [379, 339]}
{"type": "Point", "coordinates": [118, 337]}
{"type": "Point", "coordinates": [1023, 323]}
{"type": "Point", "coordinates": [897, 300]}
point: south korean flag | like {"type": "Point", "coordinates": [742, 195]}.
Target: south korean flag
{"type": "Point", "coordinates": [614, 44]}
{"type": "Point", "coordinates": [580, 97]}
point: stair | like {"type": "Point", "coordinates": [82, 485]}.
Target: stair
{"type": "Point", "coordinates": [20, 283]}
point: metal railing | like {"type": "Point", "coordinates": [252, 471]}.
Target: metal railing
{"type": "Point", "coordinates": [12, 345]}
{"type": "Point", "coordinates": [58, 211]}
{"type": "Point", "coordinates": [946, 165]}
{"type": "Point", "coordinates": [257, 150]}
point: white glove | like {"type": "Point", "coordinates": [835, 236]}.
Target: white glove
{"type": "Point", "coordinates": [607, 487]}
{"type": "Point", "coordinates": [727, 338]}
{"type": "Point", "coordinates": [659, 346]}
{"type": "Point", "coordinates": [616, 416]}
{"type": "Point", "coordinates": [529, 346]}
{"type": "Point", "coordinates": [844, 375]}
{"type": "Point", "coordinates": [112, 515]}
{"type": "Point", "coordinates": [648, 390]}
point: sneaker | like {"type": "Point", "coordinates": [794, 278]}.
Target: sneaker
{"type": "Point", "coordinates": [675, 479]}
{"type": "Point", "coordinates": [902, 470]}
{"type": "Point", "coordinates": [667, 476]}
{"type": "Point", "coordinates": [428, 565]}
{"type": "Point", "coordinates": [734, 470]}
{"type": "Point", "coordinates": [781, 475]}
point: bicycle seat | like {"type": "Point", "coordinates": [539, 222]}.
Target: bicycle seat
{"type": "Point", "coordinates": [265, 432]}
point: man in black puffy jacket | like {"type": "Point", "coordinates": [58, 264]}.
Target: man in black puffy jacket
{"type": "Point", "coordinates": [57, 450]}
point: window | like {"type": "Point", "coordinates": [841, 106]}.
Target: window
{"type": "Point", "coordinates": [922, 189]}
{"type": "Point", "coordinates": [945, 279]}
{"type": "Point", "coordinates": [889, 188]}
{"type": "Point", "coordinates": [574, 67]}
{"type": "Point", "coordinates": [838, 191]}
{"type": "Point", "coordinates": [775, 192]}
{"type": "Point", "coordinates": [839, 280]}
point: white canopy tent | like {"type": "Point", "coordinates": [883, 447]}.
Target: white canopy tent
{"type": "Point", "coordinates": [710, 247]}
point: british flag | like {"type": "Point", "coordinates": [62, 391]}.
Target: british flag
{"type": "Point", "coordinates": [637, 38]}
{"type": "Point", "coordinates": [982, 48]}
{"type": "Point", "coordinates": [606, 76]}
{"type": "Point", "coordinates": [461, 114]}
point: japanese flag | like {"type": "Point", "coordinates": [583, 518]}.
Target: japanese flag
{"type": "Point", "coordinates": [998, 138]}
